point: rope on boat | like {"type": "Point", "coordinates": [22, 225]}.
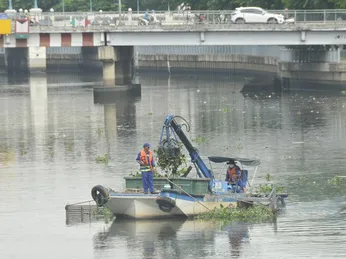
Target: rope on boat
{"type": "Point", "coordinates": [186, 192]}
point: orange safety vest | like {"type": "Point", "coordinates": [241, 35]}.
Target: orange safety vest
{"type": "Point", "coordinates": [147, 159]}
{"type": "Point", "coordinates": [232, 174]}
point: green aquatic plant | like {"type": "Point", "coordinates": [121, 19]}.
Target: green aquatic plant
{"type": "Point", "coordinates": [268, 177]}
{"type": "Point", "coordinates": [267, 188]}
{"type": "Point", "coordinates": [7, 155]}
{"type": "Point", "coordinates": [258, 213]}
{"type": "Point", "coordinates": [337, 181]}
{"type": "Point", "coordinates": [102, 159]}
{"type": "Point", "coordinates": [104, 213]}
{"type": "Point", "coordinates": [199, 140]}
{"type": "Point", "coordinates": [99, 131]}
{"type": "Point", "coordinates": [170, 164]}
{"type": "Point", "coordinates": [70, 146]}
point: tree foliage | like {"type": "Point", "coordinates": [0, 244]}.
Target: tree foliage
{"type": "Point", "coordinates": [106, 5]}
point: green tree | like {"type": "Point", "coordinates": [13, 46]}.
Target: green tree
{"type": "Point", "coordinates": [106, 5]}
{"type": "Point", "coordinates": [309, 4]}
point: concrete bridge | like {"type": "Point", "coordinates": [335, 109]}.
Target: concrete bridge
{"type": "Point", "coordinates": [112, 36]}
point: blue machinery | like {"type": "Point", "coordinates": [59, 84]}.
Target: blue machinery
{"type": "Point", "coordinates": [171, 130]}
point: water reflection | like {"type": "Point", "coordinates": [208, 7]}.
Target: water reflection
{"type": "Point", "coordinates": [119, 107]}
{"type": "Point", "coordinates": [49, 142]}
{"type": "Point", "coordinates": [174, 238]}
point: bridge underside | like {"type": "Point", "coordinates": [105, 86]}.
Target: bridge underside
{"type": "Point", "coordinates": [178, 38]}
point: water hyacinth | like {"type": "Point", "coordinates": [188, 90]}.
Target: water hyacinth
{"type": "Point", "coordinates": [258, 213]}
{"type": "Point", "coordinates": [102, 159]}
{"type": "Point", "coordinates": [337, 180]}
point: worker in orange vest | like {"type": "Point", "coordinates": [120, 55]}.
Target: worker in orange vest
{"type": "Point", "coordinates": [145, 158]}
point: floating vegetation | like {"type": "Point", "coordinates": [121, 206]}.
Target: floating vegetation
{"type": "Point", "coordinates": [69, 146]}
{"type": "Point", "coordinates": [239, 147]}
{"type": "Point", "coordinates": [267, 188]}
{"type": "Point", "coordinates": [105, 212]}
{"type": "Point", "coordinates": [150, 113]}
{"type": "Point", "coordinates": [102, 159]}
{"type": "Point", "coordinates": [268, 177]}
{"type": "Point", "coordinates": [225, 110]}
{"type": "Point", "coordinates": [99, 131]}
{"type": "Point", "coordinates": [199, 140]}
{"type": "Point", "coordinates": [252, 214]}
{"type": "Point", "coordinates": [7, 155]}
{"type": "Point", "coordinates": [337, 181]}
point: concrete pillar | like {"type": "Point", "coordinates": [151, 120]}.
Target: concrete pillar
{"type": "Point", "coordinates": [108, 69]}
{"type": "Point", "coordinates": [129, 16]}
{"type": "Point", "coordinates": [116, 64]}
{"type": "Point", "coordinates": [107, 56]}
{"type": "Point", "coordinates": [37, 59]}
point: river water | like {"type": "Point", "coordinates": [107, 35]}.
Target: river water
{"type": "Point", "coordinates": [52, 131]}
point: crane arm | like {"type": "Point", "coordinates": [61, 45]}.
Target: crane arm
{"type": "Point", "coordinates": [171, 123]}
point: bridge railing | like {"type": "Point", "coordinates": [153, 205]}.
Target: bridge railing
{"type": "Point", "coordinates": [100, 20]}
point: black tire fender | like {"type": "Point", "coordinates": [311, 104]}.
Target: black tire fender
{"type": "Point", "coordinates": [100, 195]}
{"type": "Point", "coordinates": [166, 204]}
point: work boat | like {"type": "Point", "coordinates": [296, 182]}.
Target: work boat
{"type": "Point", "coordinates": [186, 196]}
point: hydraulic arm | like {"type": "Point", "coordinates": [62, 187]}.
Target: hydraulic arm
{"type": "Point", "coordinates": [172, 128]}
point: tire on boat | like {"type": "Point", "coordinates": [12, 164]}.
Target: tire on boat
{"type": "Point", "coordinates": [100, 195]}
{"type": "Point", "coordinates": [166, 204]}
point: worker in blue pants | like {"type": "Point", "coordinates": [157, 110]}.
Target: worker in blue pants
{"type": "Point", "coordinates": [145, 158]}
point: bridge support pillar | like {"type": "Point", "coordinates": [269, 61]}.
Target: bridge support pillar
{"type": "Point", "coordinates": [116, 64]}
{"type": "Point", "coordinates": [108, 69]}
{"type": "Point", "coordinates": [37, 59]}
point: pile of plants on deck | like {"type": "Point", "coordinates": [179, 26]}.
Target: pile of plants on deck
{"type": "Point", "coordinates": [253, 214]}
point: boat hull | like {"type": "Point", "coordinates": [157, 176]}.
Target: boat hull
{"type": "Point", "coordinates": [193, 205]}
{"type": "Point", "coordinates": [145, 206]}
{"type": "Point", "coordinates": [138, 206]}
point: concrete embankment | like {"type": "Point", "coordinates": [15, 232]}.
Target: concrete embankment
{"type": "Point", "coordinates": [207, 62]}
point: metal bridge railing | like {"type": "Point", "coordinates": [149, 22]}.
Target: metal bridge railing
{"type": "Point", "coordinates": [105, 20]}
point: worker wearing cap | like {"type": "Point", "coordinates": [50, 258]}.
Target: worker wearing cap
{"type": "Point", "coordinates": [147, 164]}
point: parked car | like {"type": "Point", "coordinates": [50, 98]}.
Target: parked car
{"type": "Point", "coordinates": [255, 15]}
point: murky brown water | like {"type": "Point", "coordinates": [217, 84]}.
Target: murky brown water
{"type": "Point", "coordinates": [50, 137]}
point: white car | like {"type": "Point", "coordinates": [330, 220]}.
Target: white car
{"type": "Point", "coordinates": [255, 15]}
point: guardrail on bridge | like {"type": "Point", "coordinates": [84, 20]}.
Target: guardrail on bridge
{"type": "Point", "coordinates": [105, 20]}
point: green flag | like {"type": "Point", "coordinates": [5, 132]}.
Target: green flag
{"type": "Point", "coordinates": [73, 22]}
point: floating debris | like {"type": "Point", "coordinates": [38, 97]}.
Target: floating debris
{"type": "Point", "coordinates": [253, 214]}
{"type": "Point", "coordinates": [102, 159]}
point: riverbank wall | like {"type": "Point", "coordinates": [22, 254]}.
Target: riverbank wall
{"type": "Point", "coordinates": [286, 64]}
{"type": "Point", "coordinates": [222, 63]}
